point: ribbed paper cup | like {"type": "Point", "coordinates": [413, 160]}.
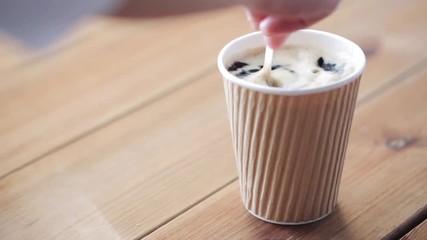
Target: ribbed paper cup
{"type": "Point", "coordinates": [290, 145]}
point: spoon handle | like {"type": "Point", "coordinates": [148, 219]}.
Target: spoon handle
{"type": "Point", "coordinates": [268, 59]}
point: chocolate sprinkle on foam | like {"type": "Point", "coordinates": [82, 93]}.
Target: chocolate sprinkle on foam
{"type": "Point", "coordinates": [294, 67]}
{"type": "Point", "coordinates": [275, 67]}
{"type": "Point", "coordinates": [242, 74]}
{"type": "Point", "coordinates": [237, 65]}
{"type": "Point", "coordinates": [326, 66]}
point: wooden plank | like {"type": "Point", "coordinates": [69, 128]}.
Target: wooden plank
{"type": "Point", "coordinates": [419, 233]}
{"type": "Point", "coordinates": [110, 81]}
{"type": "Point", "coordinates": [13, 54]}
{"type": "Point", "coordinates": [383, 181]}
{"type": "Point", "coordinates": [128, 178]}
{"type": "Point", "coordinates": [90, 34]}
{"type": "Point", "coordinates": [116, 68]}
{"type": "Point", "coordinates": [81, 190]}
{"type": "Point", "coordinates": [390, 32]}
{"type": "Point", "coordinates": [142, 171]}
{"type": "Point", "coordinates": [10, 54]}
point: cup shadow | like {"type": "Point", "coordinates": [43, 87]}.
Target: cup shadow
{"type": "Point", "coordinates": [334, 225]}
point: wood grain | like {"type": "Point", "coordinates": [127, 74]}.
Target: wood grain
{"type": "Point", "coordinates": [374, 196]}
{"type": "Point", "coordinates": [115, 67]}
{"type": "Point", "coordinates": [146, 169]}
{"type": "Point", "coordinates": [99, 141]}
{"type": "Point", "coordinates": [110, 80]}
{"type": "Point", "coordinates": [130, 177]}
{"type": "Point", "coordinates": [15, 56]}
{"type": "Point", "coordinates": [388, 31]}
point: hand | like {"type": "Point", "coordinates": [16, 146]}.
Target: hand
{"type": "Point", "coordinates": [275, 18]}
{"type": "Point", "coordinates": [162, 8]}
{"type": "Point", "coordinates": [278, 18]}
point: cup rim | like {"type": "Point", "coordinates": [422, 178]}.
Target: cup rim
{"type": "Point", "coordinates": [281, 91]}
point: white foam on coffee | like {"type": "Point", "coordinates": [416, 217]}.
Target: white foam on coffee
{"type": "Point", "coordinates": [299, 67]}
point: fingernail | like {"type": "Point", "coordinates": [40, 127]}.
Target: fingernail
{"type": "Point", "coordinates": [263, 25]}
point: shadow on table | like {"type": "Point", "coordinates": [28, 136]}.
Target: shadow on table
{"type": "Point", "coordinates": [334, 225]}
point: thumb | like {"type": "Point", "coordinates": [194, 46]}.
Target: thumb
{"type": "Point", "coordinates": [275, 41]}
{"type": "Point", "coordinates": [277, 29]}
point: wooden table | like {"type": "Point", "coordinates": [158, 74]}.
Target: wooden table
{"type": "Point", "coordinates": [121, 132]}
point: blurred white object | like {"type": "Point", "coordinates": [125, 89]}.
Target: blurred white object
{"type": "Point", "coordinates": [38, 23]}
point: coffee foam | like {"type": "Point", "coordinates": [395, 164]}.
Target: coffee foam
{"type": "Point", "coordinates": [294, 67]}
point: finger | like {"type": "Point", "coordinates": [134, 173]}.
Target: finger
{"type": "Point", "coordinates": [276, 41]}
{"type": "Point", "coordinates": [271, 26]}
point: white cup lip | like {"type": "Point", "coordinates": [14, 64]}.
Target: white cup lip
{"type": "Point", "coordinates": [281, 91]}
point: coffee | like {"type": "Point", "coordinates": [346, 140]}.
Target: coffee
{"type": "Point", "coordinates": [294, 67]}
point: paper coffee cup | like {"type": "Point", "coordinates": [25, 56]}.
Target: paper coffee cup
{"type": "Point", "coordinates": [290, 145]}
